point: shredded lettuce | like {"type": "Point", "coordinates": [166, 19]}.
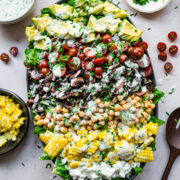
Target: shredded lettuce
{"type": "Point", "coordinates": [32, 57]}
{"type": "Point", "coordinates": [156, 120]}
{"type": "Point", "coordinates": [60, 169]}
{"type": "Point", "coordinates": [157, 95]}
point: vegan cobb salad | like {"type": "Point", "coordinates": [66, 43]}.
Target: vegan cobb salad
{"type": "Point", "coordinates": [91, 91]}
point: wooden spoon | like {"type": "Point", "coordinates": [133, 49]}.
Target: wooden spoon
{"type": "Point", "coordinates": [173, 139]}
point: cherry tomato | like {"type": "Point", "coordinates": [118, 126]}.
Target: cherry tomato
{"type": "Point", "coordinates": [86, 75]}
{"type": "Point", "coordinates": [43, 64]}
{"type": "Point", "coordinates": [106, 38]}
{"type": "Point", "coordinates": [74, 63]}
{"type": "Point", "coordinates": [72, 51]}
{"type": "Point", "coordinates": [137, 53]}
{"type": "Point", "coordinates": [161, 46]}
{"type": "Point", "coordinates": [99, 38]}
{"type": "Point", "coordinates": [13, 51]}
{"type": "Point", "coordinates": [88, 65]}
{"type": "Point", "coordinates": [143, 45]}
{"type": "Point", "coordinates": [162, 56]}
{"type": "Point", "coordinates": [172, 36]}
{"type": "Point", "coordinates": [168, 67]}
{"type": "Point", "coordinates": [136, 43]}
{"type": "Point", "coordinates": [122, 58]}
{"type": "Point", "coordinates": [90, 52]}
{"type": "Point", "coordinates": [173, 49]}
{"type": "Point", "coordinates": [109, 59]}
{"type": "Point", "coordinates": [82, 56]}
{"type": "Point", "coordinates": [65, 47]}
{"type": "Point", "coordinates": [98, 61]}
{"type": "Point", "coordinates": [113, 48]}
{"type": "Point", "coordinates": [125, 46]}
{"type": "Point", "coordinates": [130, 50]}
{"type": "Point", "coordinates": [98, 72]}
{"type": "Point", "coordinates": [5, 57]}
{"type": "Point", "coordinates": [46, 56]}
{"type": "Point", "coordinates": [148, 71]}
{"type": "Point", "coordinates": [44, 71]}
{"type": "Point", "coordinates": [63, 71]}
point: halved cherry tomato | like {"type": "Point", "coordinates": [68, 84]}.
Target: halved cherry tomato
{"type": "Point", "coordinates": [72, 51]}
{"type": "Point", "coordinates": [98, 61]}
{"type": "Point", "coordinates": [90, 52]}
{"type": "Point", "coordinates": [172, 35]}
{"type": "Point", "coordinates": [137, 53]}
{"type": "Point", "coordinates": [106, 38]}
{"type": "Point", "coordinates": [143, 45]}
{"type": "Point", "coordinates": [43, 64]}
{"type": "Point", "coordinates": [99, 38]}
{"type": "Point", "coordinates": [65, 47]}
{"type": "Point", "coordinates": [82, 56]}
{"type": "Point", "coordinates": [63, 71]}
{"type": "Point", "coordinates": [130, 50]}
{"type": "Point", "coordinates": [168, 67]}
{"type": "Point", "coordinates": [13, 51]}
{"type": "Point", "coordinates": [35, 75]}
{"type": "Point", "coordinates": [46, 55]}
{"type": "Point", "coordinates": [173, 49]}
{"type": "Point", "coordinates": [136, 43]}
{"type": "Point", "coordinates": [74, 63]}
{"type": "Point", "coordinates": [122, 58]}
{"type": "Point", "coordinates": [4, 57]}
{"type": "Point", "coordinates": [113, 48]}
{"type": "Point", "coordinates": [98, 72]}
{"type": "Point", "coordinates": [88, 65]}
{"type": "Point", "coordinates": [144, 62]}
{"type": "Point", "coordinates": [162, 56]}
{"type": "Point", "coordinates": [125, 46]}
{"type": "Point", "coordinates": [161, 46]}
{"type": "Point", "coordinates": [86, 75]}
{"type": "Point", "coordinates": [148, 71]}
{"type": "Point", "coordinates": [44, 71]}
{"type": "Point", "coordinates": [109, 59]}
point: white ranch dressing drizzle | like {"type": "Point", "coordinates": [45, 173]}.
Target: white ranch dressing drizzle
{"type": "Point", "coordinates": [12, 9]}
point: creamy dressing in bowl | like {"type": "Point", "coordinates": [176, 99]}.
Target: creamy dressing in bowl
{"type": "Point", "coordinates": [12, 10]}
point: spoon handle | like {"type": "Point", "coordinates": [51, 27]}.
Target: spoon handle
{"type": "Point", "coordinates": [173, 154]}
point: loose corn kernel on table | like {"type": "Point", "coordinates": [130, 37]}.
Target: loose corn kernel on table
{"type": "Point", "coordinates": [23, 162]}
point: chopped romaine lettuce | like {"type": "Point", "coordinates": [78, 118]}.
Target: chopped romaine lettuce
{"type": "Point", "coordinates": [32, 57]}
{"type": "Point", "coordinates": [157, 95]}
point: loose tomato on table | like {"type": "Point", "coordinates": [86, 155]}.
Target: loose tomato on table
{"type": "Point", "coordinates": [172, 35]}
{"type": "Point", "coordinates": [13, 51]}
{"type": "Point", "coordinates": [122, 58]}
{"type": "Point", "coordinates": [98, 71]}
{"type": "Point", "coordinates": [162, 56]}
{"type": "Point", "coordinates": [137, 53]}
{"type": "Point", "coordinates": [143, 45]}
{"type": "Point", "coordinates": [173, 50]}
{"type": "Point", "coordinates": [98, 61]}
{"type": "Point", "coordinates": [72, 51]}
{"type": "Point", "coordinates": [106, 38]}
{"type": "Point", "coordinates": [161, 46]}
{"type": "Point", "coordinates": [89, 66]}
{"type": "Point", "coordinates": [90, 52]}
{"type": "Point", "coordinates": [4, 57]}
{"type": "Point", "coordinates": [168, 67]}
{"type": "Point", "coordinates": [44, 71]}
{"type": "Point", "coordinates": [75, 63]}
{"type": "Point", "coordinates": [43, 64]}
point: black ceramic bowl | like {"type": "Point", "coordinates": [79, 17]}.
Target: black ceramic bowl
{"type": "Point", "coordinates": [11, 145]}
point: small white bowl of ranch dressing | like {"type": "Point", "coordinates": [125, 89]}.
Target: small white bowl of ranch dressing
{"type": "Point", "coordinates": [149, 7]}
{"type": "Point", "coordinates": [12, 11]}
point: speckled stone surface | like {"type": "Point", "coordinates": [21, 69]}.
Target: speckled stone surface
{"type": "Point", "coordinates": [23, 162]}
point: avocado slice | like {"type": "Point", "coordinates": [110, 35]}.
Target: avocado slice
{"type": "Point", "coordinates": [110, 8]}
{"type": "Point", "coordinates": [42, 22]}
{"type": "Point", "coordinates": [63, 11]}
{"type": "Point", "coordinates": [96, 25]}
{"type": "Point", "coordinates": [97, 9]}
{"type": "Point", "coordinates": [88, 35]}
{"type": "Point", "coordinates": [31, 32]}
{"type": "Point", "coordinates": [43, 44]}
{"type": "Point", "coordinates": [79, 3]}
{"type": "Point", "coordinates": [111, 23]}
{"type": "Point", "coordinates": [129, 32]}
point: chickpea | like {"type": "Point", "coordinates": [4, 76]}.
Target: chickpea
{"type": "Point", "coordinates": [145, 115]}
{"type": "Point", "coordinates": [82, 127]}
{"type": "Point", "coordinates": [95, 127]}
{"type": "Point", "coordinates": [107, 104]}
{"type": "Point", "coordinates": [114, 126]}
{"type": "Point", "coordinates": [101, 111]}
{"type": "Point", "coordinates": [91, 123]}
{"type": "Point", "coordinates": [102, 123]}
{"type": "Point", "coordinates": [58, 108]}
{"type": "Point", "coordinates": [98, 101]}
{"type": "Point", "coordinates": [117, 107]}
{"type": "Point", "coordinates": [64, 110]}
{"type": "Point", "coordinates": [123, 102]}
{"type": "Point", "coordinates": [110, 118]}
{"type": "Point", "coordinates": [114, 100]}
{"type": "Point", "coordinates": [61, 124]}
{"type": "Point", "coordinates": [94, 119]}
{"type": "Point", "coordinates": [152, 106]}
{"type": "Point", "coordinates": [63, 129]}
{"type": "Point", "coordinates": [133, 102]}
{"type": "Point", "coordinates": [101, 105]}
{"type": "Point", "coordinates": [148, 110]}
{"type": "Point", "coordinates": [137, 98]}
{"type": "Point", "coordinates": [115, 122]}
{"type": "Point", "coordinates": [89, 114]}
{"type": "Point", "coordinates": [40, 122]}
{"type": "Point", "coordinates": [52, 120]}
{"type": "Point", "coordinates": [89, 128]}
{"type": "Point", "coordinates": [110, 123]}
{"type": "Point", "coordinates": [125, 107]}
{"type": "Point", "coordinates": [46, 121]}
{"type": "Point", "coordinates": [37, 117]}
{"type": "Point", "coordinates": [70, 129]}
{"type": "Point", "coordinates": [83, 123]}
{"type": "Point", "coordinates": [105, 115]}
{"type": "Point", "coordinates": [81, 114]}
{"type": "Point", "coordinates": [137, 105]}
{"type": "Point", "coordinates": [50, 125]}
{"type": "Point", "coordinates": [48, 116]}
{"type": "Point", "coordinates": [120, 98]}
{"type": "Point", "coordinates": [101, 118]}
{"type": "Point", "coordinates": [75, 118]}
{"type": "Point", "coordinates": [142, 120]}
{"type": "Point", "coordinates": [67, 115]}
{"type": "Point", "coordinates": [111, 113]}
{"type": "Point", "coordinates": [133, 118]}
{"type": "Point", "coordinates": [117, 114]}
{"type": "Point", "coordinates": [59, 117]}
{"type": "Point", "coordinates": [131, 123]}
{"type": "Point", "coordinates": [147, 105]}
